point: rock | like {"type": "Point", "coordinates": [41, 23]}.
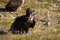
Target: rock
{"type": "Point", "coordinates": [1, 15]}
{"type": "Point", "coordinates": [47, 23]}
{"type": "Point", "coordinates": [2, 32]}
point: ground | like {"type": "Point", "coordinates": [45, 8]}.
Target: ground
{"type": "Point", "coordinates": [47, 20]}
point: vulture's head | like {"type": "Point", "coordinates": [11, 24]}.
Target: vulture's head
{"type": "Point", "coordinates": [29, 11]}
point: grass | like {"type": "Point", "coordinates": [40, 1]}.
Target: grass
{"type": "Point", "coordinates": [2, 1]}
{"type": "Point", "coordinates": [43, 8]}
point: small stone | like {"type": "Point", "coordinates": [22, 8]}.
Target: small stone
{"type": "Point", "coordinates": [47, 23]}
{"type": "Point", "coordinates": [58, 0]}
{"type": "Point", "coordinates": [58, 14]}
{"type": "Point", "coordinates": [11, 12]}
{"type": "Point", "coordinates": [58, 34]}
{"type": "Point", "coordinates": [23, 1]}
{"type": "Point", "coordinates": [2, 32]}
{"type": "Point", "coordinates": [54, 30]}
{"type": "Point", "coordinates": [1, 15]}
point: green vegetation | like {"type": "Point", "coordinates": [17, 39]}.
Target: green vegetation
{"type": "Point", "coordinates": [47, 10]}
{"type": "Point", "coordinates": [4, 1]}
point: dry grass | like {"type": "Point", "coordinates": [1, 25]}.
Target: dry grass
{"type": "Point", "coordinates": [47, 10]}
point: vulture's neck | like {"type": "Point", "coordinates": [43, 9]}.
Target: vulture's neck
{"type": "Point", "coordinates": [30, 18]}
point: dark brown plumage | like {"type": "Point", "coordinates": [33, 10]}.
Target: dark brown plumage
{"type": "Point", "coordinates": [13, 5]}
{"type": "Point", "coordinates": [23, 23]}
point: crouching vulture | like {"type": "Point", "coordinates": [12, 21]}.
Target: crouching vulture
{"type": "Point", "coordinates": [13, 5]}
{"type": "Point", "coordinates": [23, 23]}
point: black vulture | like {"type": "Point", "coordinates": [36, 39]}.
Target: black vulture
{"type": "Point", "coordinates": [23, 23]}
{"type": "Point", "coordinates": [13, 5]}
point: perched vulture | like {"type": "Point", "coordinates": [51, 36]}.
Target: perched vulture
{"type": "Point", "coordinates": [13, 5]}
{"type": "Point", "coordinates": [23, 23]}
